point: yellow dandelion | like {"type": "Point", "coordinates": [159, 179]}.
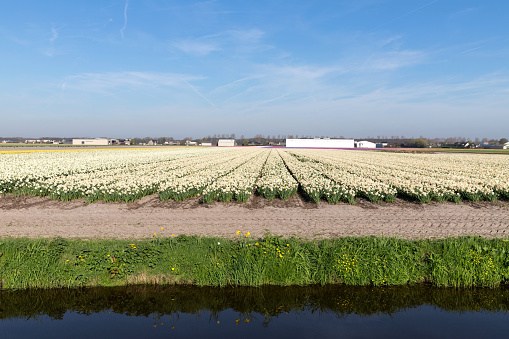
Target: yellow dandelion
{"type": "Point", "coordinates": [238, 232]}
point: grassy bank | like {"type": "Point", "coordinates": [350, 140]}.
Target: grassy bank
{"type": "Point", "coordinates": [457, 262]}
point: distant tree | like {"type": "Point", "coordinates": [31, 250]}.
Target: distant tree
{"type": "Point", "coordinates": [502, 141]}
{"type": "Point", "coordinates": [419, 143]}
{"type": "Point", "coordinates": [161, 140]}
{"type": "Point", "coordinates": [245, 142]}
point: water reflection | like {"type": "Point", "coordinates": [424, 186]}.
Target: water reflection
{"type": "Point", "coordinates": [290, 309]}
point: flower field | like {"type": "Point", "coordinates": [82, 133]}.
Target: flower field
{"type": "Point", "coordinates": [226, 174]}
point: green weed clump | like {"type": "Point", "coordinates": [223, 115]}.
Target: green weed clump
{"type": "Point", "coordinates": [470, 261]}
{"type": "Point", "coordinates": [246, 261]}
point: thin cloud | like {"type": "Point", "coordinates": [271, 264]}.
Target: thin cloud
{"type": "Point", "coordinates": [247, 36]}
{"type": "Point", "coordinates": [238, 39]}
{"type": "Point", "coordinates": [299, 72]}
{"type": "Point", "coordinates": [466, 93]}
{"type": "Point", "coordinates": [105, 83]}
{"type": "Point", "coordinates": [196, 47]}
{"type": "Point", "coordinates": [125, 20]}
{"type": "Point", "coordinates": [51, 50]}
{"type": "Point", "coordinates": [200, 94]}
{"type": "Point", "coordinates": [418, 8]}
{"type": "Point", "coordinates": [406, 14]}
{"type": "Point", "coordinates": [470, 50]}
{"type": "Point", "coordinates": [389, 41]}
{"type": "Point", "coordinates": [394, 60]}
{"type": "Point", "coordinates": [263, 102]}
{"type": "Point", "coordinates": [54, 35]}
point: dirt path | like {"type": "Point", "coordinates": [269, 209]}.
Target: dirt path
{"type": "Point", "coordinates": [41, 217]}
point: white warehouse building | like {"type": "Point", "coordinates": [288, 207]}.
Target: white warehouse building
{"type": "Point", "coordinates": [93, 142]}
{"type": "Point", "coordinates": [226, 142]}
{"type": "Point", "coordinates": [320, 143]}
{"type": "Point", "coordinates": [365, 144]}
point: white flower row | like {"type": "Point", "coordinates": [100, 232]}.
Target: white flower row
{"type": "Point", "coordinates": [239, 183]}
{"type": "Point", "coordinates": [275, 179]}
{"type": "Point", "coordinates": [362, 185]}
{"type": "Point", "coordinates": [424, 177]}
{"type": "Point", "coordinates": [314, 183]}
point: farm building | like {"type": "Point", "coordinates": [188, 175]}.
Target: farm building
{"type": "Point", "coordinates": [365, 144]}
{"type": "Point", "coordinates": [490, 146]}
{"type": "Point", "coordinates": [121, 141]}
{"type": "Point", "coordinates": [226, 142]}
{"type": "Point", "coordinates": [206, 143]}
{"type": "Point", "coordinates": [320, 143]}
{"type": "Point", "coordinates": [93, 142]}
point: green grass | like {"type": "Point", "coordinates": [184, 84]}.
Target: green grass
{"type": "Point", "coordinates": [244, 261]}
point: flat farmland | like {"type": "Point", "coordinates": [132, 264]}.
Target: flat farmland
{"type": "Point", "coordinates": [125, 193]}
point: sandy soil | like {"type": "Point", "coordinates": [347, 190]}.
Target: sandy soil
{"type": "Point", "coordinates": [41, 217]}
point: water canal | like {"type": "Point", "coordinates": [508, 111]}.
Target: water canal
{"type": "Point", "coordinates": [282, 312]}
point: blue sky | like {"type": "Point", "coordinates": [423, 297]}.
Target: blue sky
{"type": "Point", "coordinates": [435, 68]}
